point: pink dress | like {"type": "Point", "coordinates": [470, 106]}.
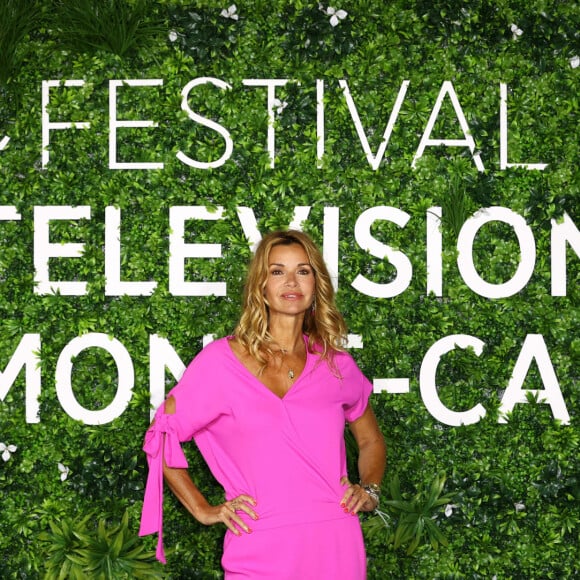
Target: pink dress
{"type": "Point", "coordinates": [288, 453]}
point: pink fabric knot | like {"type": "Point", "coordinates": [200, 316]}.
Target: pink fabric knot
{"type": "Point", "coordinates": [164, 429]}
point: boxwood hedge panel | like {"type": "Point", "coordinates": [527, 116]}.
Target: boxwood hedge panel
{"type": "Point", "coordinates": [431, 148]}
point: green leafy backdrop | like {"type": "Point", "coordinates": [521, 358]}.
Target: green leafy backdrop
{"type": "Point", "coordinates": [478, 501]}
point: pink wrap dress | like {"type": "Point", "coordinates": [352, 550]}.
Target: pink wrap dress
{"type": "Point", "coordinates": [288, 453]}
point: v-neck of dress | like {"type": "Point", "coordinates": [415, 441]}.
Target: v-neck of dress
{"type": "Point", "coordinates": [262, 384]}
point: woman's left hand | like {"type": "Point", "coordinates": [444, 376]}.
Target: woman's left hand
{"type": "Point", "coordinates": [356, 499]}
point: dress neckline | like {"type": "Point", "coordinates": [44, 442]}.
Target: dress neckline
{"type": "Point", "coordinates": [261, 383]}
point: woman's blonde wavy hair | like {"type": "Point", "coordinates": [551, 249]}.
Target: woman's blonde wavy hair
{"type": "Point", "coordinates": [323, 323]}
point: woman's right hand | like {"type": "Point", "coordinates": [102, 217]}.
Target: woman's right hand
{"type": "Point", "coordinates": [226, 513]}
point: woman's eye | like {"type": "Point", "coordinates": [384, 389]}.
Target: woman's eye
{"type": "Point", "coordinates": [276, 272]}
{"type": "Point", "coordinates": [304, 272]}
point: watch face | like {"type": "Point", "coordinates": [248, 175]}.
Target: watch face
{"type": "Point", "coordinates": [373, 487]}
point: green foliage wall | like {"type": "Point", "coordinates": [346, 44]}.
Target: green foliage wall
{"type": "Point", "coordinates": [510, 492]}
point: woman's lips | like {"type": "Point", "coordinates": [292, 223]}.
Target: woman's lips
{"type": "Point", "coordinates": [292, 295]}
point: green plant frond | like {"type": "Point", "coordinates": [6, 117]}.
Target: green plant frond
{"type": "Point", "coordinates": [117, 545]}
{"type": "Point", "coordinates": [81, 536]}
{"type": "Point", "coordinates": [102, 532]}
{"type": "Point", "coordinates": [17, 19]}
{"type": "Point", "coordinates": [77, 574]}
{"type": "Point", "coordinates": [125, 521]}
{"type": "Point", "coordinates": [116, 26]}
{"type": "Point", "coordinates": [376, 525]}
{"type": "Point", "coordinates": [414, 517]}
{"type": "Point", "coordinates": [400, 505]}
{"type": "Point", "coordinates": [413, 545]}
{"type": "Point", "coordinates": [66, 571]}
{"type": "Point", "coordinates": [83, 552]}
{"type": "Point", "coordinates": [399, 537]}
{"type": "Point", "coordinates": [108, 551]}
{"type": "Point", "coordinates": [56, 529]}
{"type": "Point", "coordinates": [419, 526]}
{"type": "Point", "coordinates": [443, 501]}
{"type": "Point", "coordinates": [137, 553]}
{"type": "Point", "coordinates": [395, 487]}
{"type": "Point", "coordinates": [403, 533]}
{"type": "Point", "coordinates": [435, 535]}
{"type": "Point", "coordinates": [436, 487]}
{"type": "Point", "coordinates": [79, 558]}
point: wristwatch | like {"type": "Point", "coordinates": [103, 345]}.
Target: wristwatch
{"type": "Point", "coordinates": [373, 489]}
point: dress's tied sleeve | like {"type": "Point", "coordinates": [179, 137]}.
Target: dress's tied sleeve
{"type": "Point", "coordinates": [163, 429]}
{"type": "Point", "coordinates": [199, 400]}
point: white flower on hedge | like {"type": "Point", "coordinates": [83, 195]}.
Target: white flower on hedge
{"type": "Point", "coordinates": [449, 509]}
{"type": "Point", "coordinates": [7, 450]}
{"type": "Point", "coordinates": [231, 12]}
{"type": "Point", "coordinates": [519, 506]}
{"type": "Point", "coordinates": [335, 15]}
{"type": "Point", "coordinates": [516, 31]}
{"type": "Point", "coordinates": [575, 61]}
{"type": "Point", "coordinates": [173, 36]}
{"type": "Point", "coordinates": [63, 471]}
{"type": "Point", "coordinates": [279, 106]}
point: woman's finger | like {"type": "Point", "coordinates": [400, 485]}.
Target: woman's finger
{"type": "Point", "coordinates": [244, 503]}
{"type": "Point", "coordinates": [231, 525]}
{"type": "Point", "coordinates": [247, 509]}
{"type": "Point", "coordinates": [356, 499]}
{"type": "Point", "coordinates": [235, 524]}
{"type": "Point", "coordinates": [247, 498]}
{"type": "Point", "coordinates": [229, 517]}
{"type": "Point", "coordinates": [348, 498]}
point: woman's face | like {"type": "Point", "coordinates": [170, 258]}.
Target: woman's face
{"type": "Point", "coordinates": [291, 284]}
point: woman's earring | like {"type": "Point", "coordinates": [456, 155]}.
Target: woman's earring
{"type": "Point", "coordinates": [313, 307]}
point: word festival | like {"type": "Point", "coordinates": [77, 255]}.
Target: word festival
{"type": "Point", "coordinates": [115, 123]}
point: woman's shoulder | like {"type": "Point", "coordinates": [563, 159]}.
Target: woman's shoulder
{"type": "Point", "coordinates": [216, 349]}
{"type": "Point", "coordinates": [342, 359]}
{"type": "Point", "coordinates": [207, 363]}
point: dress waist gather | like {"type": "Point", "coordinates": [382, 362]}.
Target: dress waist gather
{"type": "Point", "coordinates": [313, 512]}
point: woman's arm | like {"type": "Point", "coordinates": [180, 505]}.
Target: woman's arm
{"type": "Point", "coordinates": [196, 504]}
{"type": "Point", "coordinates": [372, 462]}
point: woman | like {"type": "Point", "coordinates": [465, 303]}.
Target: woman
{"type": "Point", "coordinates": [267, 408]}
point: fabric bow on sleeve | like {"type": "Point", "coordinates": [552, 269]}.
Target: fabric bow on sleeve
{"type": "Point", "coordinates": [163, 429]}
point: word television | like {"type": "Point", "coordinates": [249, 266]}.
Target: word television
{"type": "Point", "coordinates": [564, 234]}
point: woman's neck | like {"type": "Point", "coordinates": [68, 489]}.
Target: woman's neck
{"type": "Point", "coordinates": [287, 335]}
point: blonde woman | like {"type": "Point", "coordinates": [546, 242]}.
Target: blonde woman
{"type": "Point", "coordinates": [267, 408]}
